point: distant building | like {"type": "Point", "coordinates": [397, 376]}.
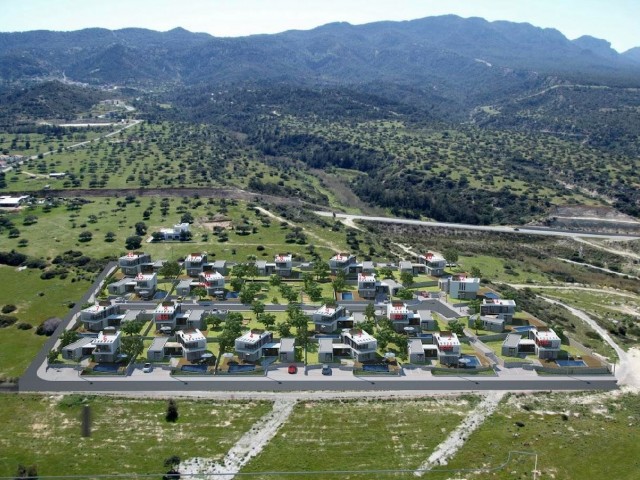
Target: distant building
{"type": "Point", "coordinates": [434, 263]}
{"type": "Point", "coordinates": [13, 202]}
{"type": "Point", "coordinates": [176, 233]}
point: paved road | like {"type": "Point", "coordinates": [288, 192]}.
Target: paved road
{"type": "Point", "coordinates": [485, 228]}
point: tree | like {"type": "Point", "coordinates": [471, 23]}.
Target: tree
{"type": "Point", "coordinates": [186, 218]}
{"type": "Point", "coordinates": [404, 294]}
{"type": "Point", "coordinates": [85, 236]}
{"type": "Point", "coordinates": [477, 324]}
{"type": "Point", "coordinates": [52, 356]}
{"type": "Point", "coordinates": [232, 330]}
{"type": "Point", "coordinates": [200, 292]}
{"type": "Point", "coordinates": [384, 336]}
{"type": "Point", "coordinates": [172, 411]}
{"type": "Point", "coordinates": [258, 309]}
{"type": "Point", "coordinates": [475, 272]}
{"type": "Point", "coordinates": [133, 242]}
{"type": "Point", "coordinates": [321, 270]}
{"type": "Point", "coordinates": [370, 312]}
{"type": "Point", "coordinates": [172, 464]}
{"type": "Point", "coordinates": [386, 272]}
{"type": "Point", "coordinates": [451, 255]}
{"type": "Point", "coordinates": [406, 278]}
{"type": "Point", "coordinates": [474, 306]}
{"type": "Point", "coordinates": [131, 346]}
{"type": "Point", "coordinates": [283, 329]}
{"type": "Point", "coordinates": [275, 280]}
{"type": "Point", "coordinates": [133, 327]}
{"type": "Point", "coordinates": [30, 472]}
{"type": "Point", "coordinates": [157, 236]}
{"type": "Point", "coordinates": [213, 320]}
{"type": "Point", "coordinates": [170, 269]}
{"type": "Point", "coordinates": [68, 337]}
{"type": "Point", "coordinates": [185, 236]}
{"type": "Point", "coordinates": [268, 320]}
{"type": "Point", "coordinates": [109, 237]}
{"type": "Point", "coordinates": [141, 228]}
{"type": "Point", "coordinates": [456, 327]}
{"type": "Point", "coordinates": [339, 283]}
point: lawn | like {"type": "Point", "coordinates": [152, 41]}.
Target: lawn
{"type": "Point", "coordinates": [127, 435]}
{"type": "Point", "coordinates": [360, 434]}
{"type": "Point", "coordinates": [17, 349]}
{"type": "Point", "coordinates": [576, 436]}
{"type": "Point", "coordinates": [501, 270]}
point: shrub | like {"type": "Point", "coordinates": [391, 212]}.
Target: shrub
{"type": "Point", "coordinates": [48, 326]}
{"type": "Point", "coordinates": [172, 411]}
{"type": "Point", "coordinates": [9, 308]}
{"type": "Point", "coordinates": [6, 320]}
{"type": "Point", "coordinates": [24, 326]}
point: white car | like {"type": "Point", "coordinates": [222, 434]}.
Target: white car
{"type": "Point", "coordinates": [147, 368]}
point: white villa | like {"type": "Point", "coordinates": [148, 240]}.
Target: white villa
{"type": "Point", "coordinates": [460, 287]}
{"type": "Point", "coordinates": [175, 233]}
{"type": "Point", "coordinates": [402, 317]}
{"type": "Point", "coordinates": [213, 282]}
{"type": "Point", "coordinates": [284, 264]}
{"type": "Point", "coordinates": [342, 262]}
{"type": "Point", "coordinates": [448, 347]}
{"type": "Point", "coordinates": [353, 343]}
{"type": "Point", "coordinates": [329, 318]}
{"type": "Point", "coordinates": [99, 316]}
{"type": "Point", "coordinates": [434, 262]}
{"type": "Point", "coordinates": [133, 262]}
{"type": "Point", "coordinates": [252, 345]}
{"type": "Point", "coordinates": [146, 284]}
{"type": "Point", "coordinates": [193, 342]}
{"type": "Point", "coordinates": [107, 347]}
{"type": "Point", "coordinates": [367, 286]}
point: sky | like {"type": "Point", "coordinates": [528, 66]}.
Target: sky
{"type": "Point", "coordinates": [617, 21]}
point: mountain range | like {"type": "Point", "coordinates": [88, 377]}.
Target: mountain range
{"type": "Point", "coordinates": [448, 55]}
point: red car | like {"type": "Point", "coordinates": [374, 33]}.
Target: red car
{"type": "Point", "coordinates": [293, 369]}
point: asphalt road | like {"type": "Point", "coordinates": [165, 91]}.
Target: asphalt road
{"type": "Point", "coordinates": [265, 384]}
{"type": "Point", "coordinates": [485, 228]}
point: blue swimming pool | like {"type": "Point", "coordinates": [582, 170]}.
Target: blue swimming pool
{"type": "Point", "coordinates": [194, 368]}
{"type": "Point", "coordinates": [377, 367]}
{"type": "Point", "coordinates": [106, 368]}
{"type": "Point", "coordinates": [570, 363]}
{"type": "Point", "coordinates": [523, 329]}
{"type": "Point", "coordinates": [241, 368]}
{"type": "Point", "coordinates": [347, 296]}
{"type": "Point", "coordinates": [469, 361]}
{"type": "Point", "coordinates": [232, 294]}
{"type": "Point", "coordinates": [426, 336]}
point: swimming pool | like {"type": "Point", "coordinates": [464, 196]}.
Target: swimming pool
{"type": "Point", "coordinates": [241, 368]}
{"type": "Point", "coordinates": [570, 363]}
{"type": "Point", "coordinates": [106, 368]}
{"type": "Point", "coordinates": [194, 368]}
{"type": "Point", "coordinates": [523, 329]}
{"type": "Point", "coordinates": [376, 367]}
{"type": "Point", "coordinates": [469, 361]}
{"type": "Point", "coordinates": [232, 294]}
{"type": "Point", "coordinates": [347, 296]}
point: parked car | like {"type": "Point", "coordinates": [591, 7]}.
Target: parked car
{"type": "Point", "coordinates": [293, 369]}
{"type": "Point", "coordinates": [326, 369]}
{"type": "Point", "coordinates": [147, 368]}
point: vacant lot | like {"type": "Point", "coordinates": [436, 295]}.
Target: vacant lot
{"type": "Point", "coordinates": [128, 436]}
{"type": "Point", "coordinates": [360, 434]}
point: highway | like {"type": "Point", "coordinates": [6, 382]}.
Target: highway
{"type": "Point", "coordinates": [483, 228]}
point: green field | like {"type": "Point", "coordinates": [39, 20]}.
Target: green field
{"type": "Point", "coordinates": [360, 434]}
{"type": "Point", "coordinates": [127, 435]}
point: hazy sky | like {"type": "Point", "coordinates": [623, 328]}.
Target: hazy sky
{"type": "Point", "coordinates": [617, 21]}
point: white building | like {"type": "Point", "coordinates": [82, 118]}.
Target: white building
{"type": "Point", "coordinates": [194, 263]}
{"type": "Point", "coordinates": [252, 345]}
{"type": "Point", "coordinates": [212, 282]}
{"type": "Point", "coordinates": [434, 263]}
{"type": "Point", "coordinates": [342, 262]}
{"type": "Point", "coordinates": [504, 309]}
{"type": "Point", "coordinates": [146, 284]}
{"type": "Point", "coordinates": [175, 233]}
{"type": "Point", "coordinates": [107, 347]}
{"type": "Point", "coordinates": [133, 263]}
{"type": "Point", "coordinates": [361, 345]}
{"type": "Point", "coordinates": [99, 316]}
{"type": "Point", "coordinates": [284, 264]}
{"type": "Point", "coordinates": [448, 347]}
{"type": "Point", "coordinates": [547, 342]}
{"type": "Point", "coordinates": [193, 342]}
{"type": "Point", "coordinates": [367, 286]}
{"type": "Point", "coordinates": [460, 287]}
{"type": "Point", "coordinates": [401, 317]}
{"type": "Point", "coordinates": [330, 318]}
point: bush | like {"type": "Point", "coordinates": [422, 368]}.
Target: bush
{"type": "Point", "coordinates": [172, 411]}
{"type": "Point", "coordinates": [48, 326]}
{"type": "Point", "coordinates": [24, 326]}
{"type": "Point", "coordinates": [6, 320]}
{"type": "Point", "coordinates": [9, 308]}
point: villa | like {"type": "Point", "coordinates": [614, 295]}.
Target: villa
{"type": "Point", "coordinates": [194, 263]}
{"type": "Point", "coordinates": [193, 342]}
{"type": "Point", "coordinates": [342, 262]}
{"type": "Point", "coordinates": [460, 287]}
{"type": "Point", "coordinates": [434, 263]}
{"type": "Point", "coordinates": [401, 317]}
{"type": "Point", "coordinates": [134, 263]}
{"type": "Point", "coordinates": [107, 347]}
{"type": "Point", "coordinates": [146, 284]}
{"type": "Point", "coordinates": [419, 352]}
{"type": "Point", "coordinates": [169, 315]}
{"type": "Point", "coordinates": [501, 308]}
{"type": "Point", "coordinates": [213, 282]}
{"type": "Point", "coordinates": [284, 264]}
{"type": "Point", "coordinates": [448, 347]}
{"type": "Point", "coordinates": [412, 268]}
{"type": "Point", "coordinates": [547, 342]}
{"type": "Point", "coordinates": [329, 318]}
{"type": "Point", "coordinates": [82, 347]}
{"type": "Point", "coordinates": [178, 232]}
{"type": "Point", "coordinates": [255, 344]}
{"type": "Point", "coordinates": [353, 343]}
{"type": "Point", "coordinates": [367, 286]}
{"type": "Point", "coordinates": [99, 316]}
